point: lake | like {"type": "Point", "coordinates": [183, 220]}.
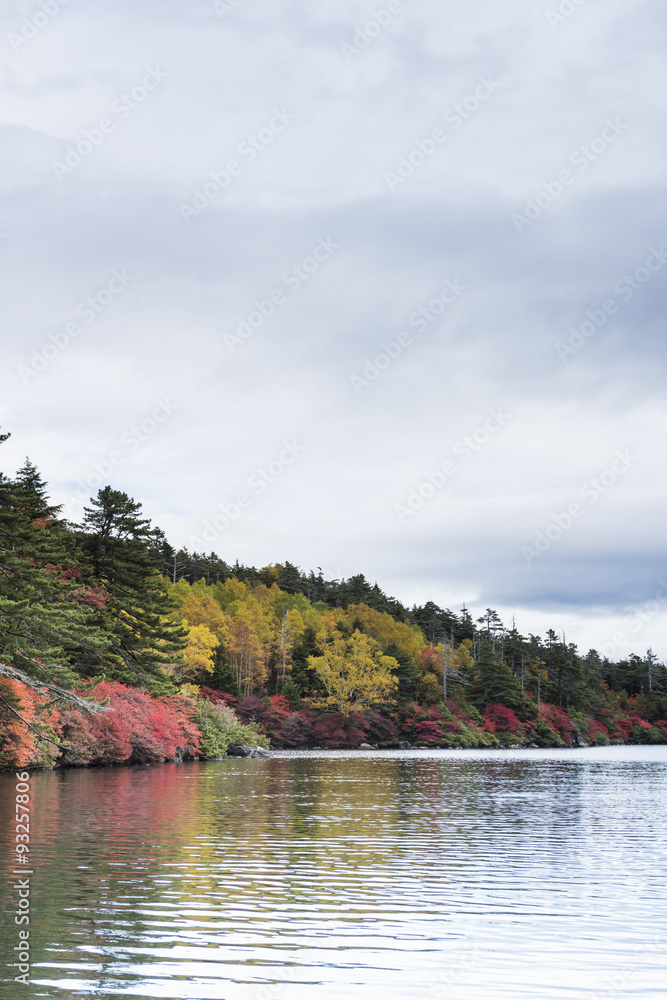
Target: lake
{"type": "Point", "coordinates": [470, 875]}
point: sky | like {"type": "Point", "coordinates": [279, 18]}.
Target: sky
{"type": "Point", "coordinates": [372, 288]}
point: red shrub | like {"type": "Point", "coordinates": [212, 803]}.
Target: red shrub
{"type": "Point", "coordinates": [451, 727]}
{"type": "Point", "coordinates": [562, 723]}
{"type": "Point", "coordinates": [500, 719]}
{"type": "Point", "coordinates": [18, 746]}
{"type": "Point", "coordinates": [428, 732]}
{"type": "Point", "coordinates": [135, 728]}
{"type": "Point", "coordinates": [336, 730]}
{"type": "Point", "coordinates": [296, 730]}
{"type": "Point", "coordinates": [250, 707]}
{"type": "Point", "coordinates": [217, 696]}
{"type": "Point", "coordinates": [596, 729]}
{"type": "Point", "coordinates": [380, 729]}
{"type": "Point", "coordinates": [661, 724]}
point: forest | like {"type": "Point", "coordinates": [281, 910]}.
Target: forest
{"type": "Point", "coordinates": [117, 648]}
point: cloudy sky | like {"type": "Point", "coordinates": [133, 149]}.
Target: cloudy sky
{"type": "Point", "coordinates": [376, 288]}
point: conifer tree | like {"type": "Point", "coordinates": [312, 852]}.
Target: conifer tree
{"type": "Point", "coordinates": [124, 555]}
{"type": "Point", "coordinates": [495, 683]}
{"type": "Point", "coordinates": [46, 617]}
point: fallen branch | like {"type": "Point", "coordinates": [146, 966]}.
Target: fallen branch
{"type": "Point", "coordinates": [14, 674]}
{"type": "Point", "coordinates": [63, 747]}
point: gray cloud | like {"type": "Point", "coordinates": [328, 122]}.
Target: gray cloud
{"type": "Point", "coordinates": [357, 121]}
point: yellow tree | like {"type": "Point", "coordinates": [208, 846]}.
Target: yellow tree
{"type": "Point", "coordinates": [409, 639]}
{"type": "Point", "coordinates": [251, 630]}
{"type": "Point", "coordinates": [227, 593]}
{"type": "Point", "coordinates": [355, 673]}
{"type": "Point", "coordinates": [204, 610]}
{"type": "Point", "coordinates": [198, 654]}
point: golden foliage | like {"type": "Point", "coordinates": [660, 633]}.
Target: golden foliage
{"type": "Point", "coordinates": [355, 673]}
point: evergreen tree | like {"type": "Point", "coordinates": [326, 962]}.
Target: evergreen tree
{"type": "Point", "coordinates": [222, 678]}
{"type": "Point", "coordinates": [495, 684]}
{"type": "Point", "coordinates": [406, 672]}
{"type": "Point", "coordinates": [303, 676]}
{"type": "Point", "coordinates": [47, 619]}
{"type": "Point", "coordinates": [124, 554]}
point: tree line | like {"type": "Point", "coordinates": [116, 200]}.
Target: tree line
{"type": "Point", "coordinates": [110, 600]}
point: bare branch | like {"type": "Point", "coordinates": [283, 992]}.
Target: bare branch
{"type": "Point", "coordinates": [61, 746]}
{"type": "Point", "coordinates": [12, 673]}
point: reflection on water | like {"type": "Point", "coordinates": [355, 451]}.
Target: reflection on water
{"type": "Point", "coordinates": [412, 875]}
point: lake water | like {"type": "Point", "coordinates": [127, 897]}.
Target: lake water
{"type": "Point", "coordinates": [469, 875]}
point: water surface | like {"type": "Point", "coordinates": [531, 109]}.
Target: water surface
{"type": "Point", "coordinates": [471, 875]}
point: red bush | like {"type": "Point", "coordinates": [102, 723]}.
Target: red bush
{"type": "Point", "coordinates": [334, 730]}
{"type": "Point", "coordinates": [135, 727]}
{"type": "Point", "coordinates": [217, 696]}
{"type": "Point", "coordinates": [380, 729]}
{"type": "Point", "coordinates": [562, 723]}
{"type": "Point", "coordinates": [296, 730]}
{"type": "Point", "coordinates": [428, 732]}
{"type": "Point", "coordinates": [500, 719]}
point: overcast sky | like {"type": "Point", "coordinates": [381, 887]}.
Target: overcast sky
{"type": "Point", "coordinates": [376, 288]}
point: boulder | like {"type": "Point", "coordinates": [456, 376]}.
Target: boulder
{"type": "Point", "coordinates": [367, 746]}
{"type": "Point", "coordinates": [236, 751]}
{"type": "Point", "coordinates": [404, 745]}
{"type": "Point", "coordinates": [580, 742]}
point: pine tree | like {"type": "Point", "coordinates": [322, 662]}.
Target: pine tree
{"type": "Point", "coordinates": [124, 555]}
{"type": "Point", "coordinates": [302, 675]}
{"type": "Point", "coordinates": [406, 672]}
{"type": "Point", "coordinates": [496, 685]}
{"type": "Point", "coordinates": [46, 617]}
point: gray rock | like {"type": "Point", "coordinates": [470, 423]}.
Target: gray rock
{"type": "Point", "coordinates": [404, 745]}
{"type": "Point", "coordinates": [367, 746]}
{"type": "Point", "coordinates": [580, 742]}
{"type": "Point", "coordinates": [260, 752]}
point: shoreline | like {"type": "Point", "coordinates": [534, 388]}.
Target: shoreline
{"type": "Point", "coordinates": [275, 752]}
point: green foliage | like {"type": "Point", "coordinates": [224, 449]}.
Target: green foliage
{"type": "Point", "coordinates": [220, 728]}
{"type": "Point", "coordinates": [123, 555]}
{"type": "Point", "coordinates": [292, 693]}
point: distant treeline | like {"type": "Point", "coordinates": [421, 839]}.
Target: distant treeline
{"type": "Point", "coordinates": [111, 602]}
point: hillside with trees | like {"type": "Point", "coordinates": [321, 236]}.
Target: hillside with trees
{"type": "Point", "coordinates": [115, 647]}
